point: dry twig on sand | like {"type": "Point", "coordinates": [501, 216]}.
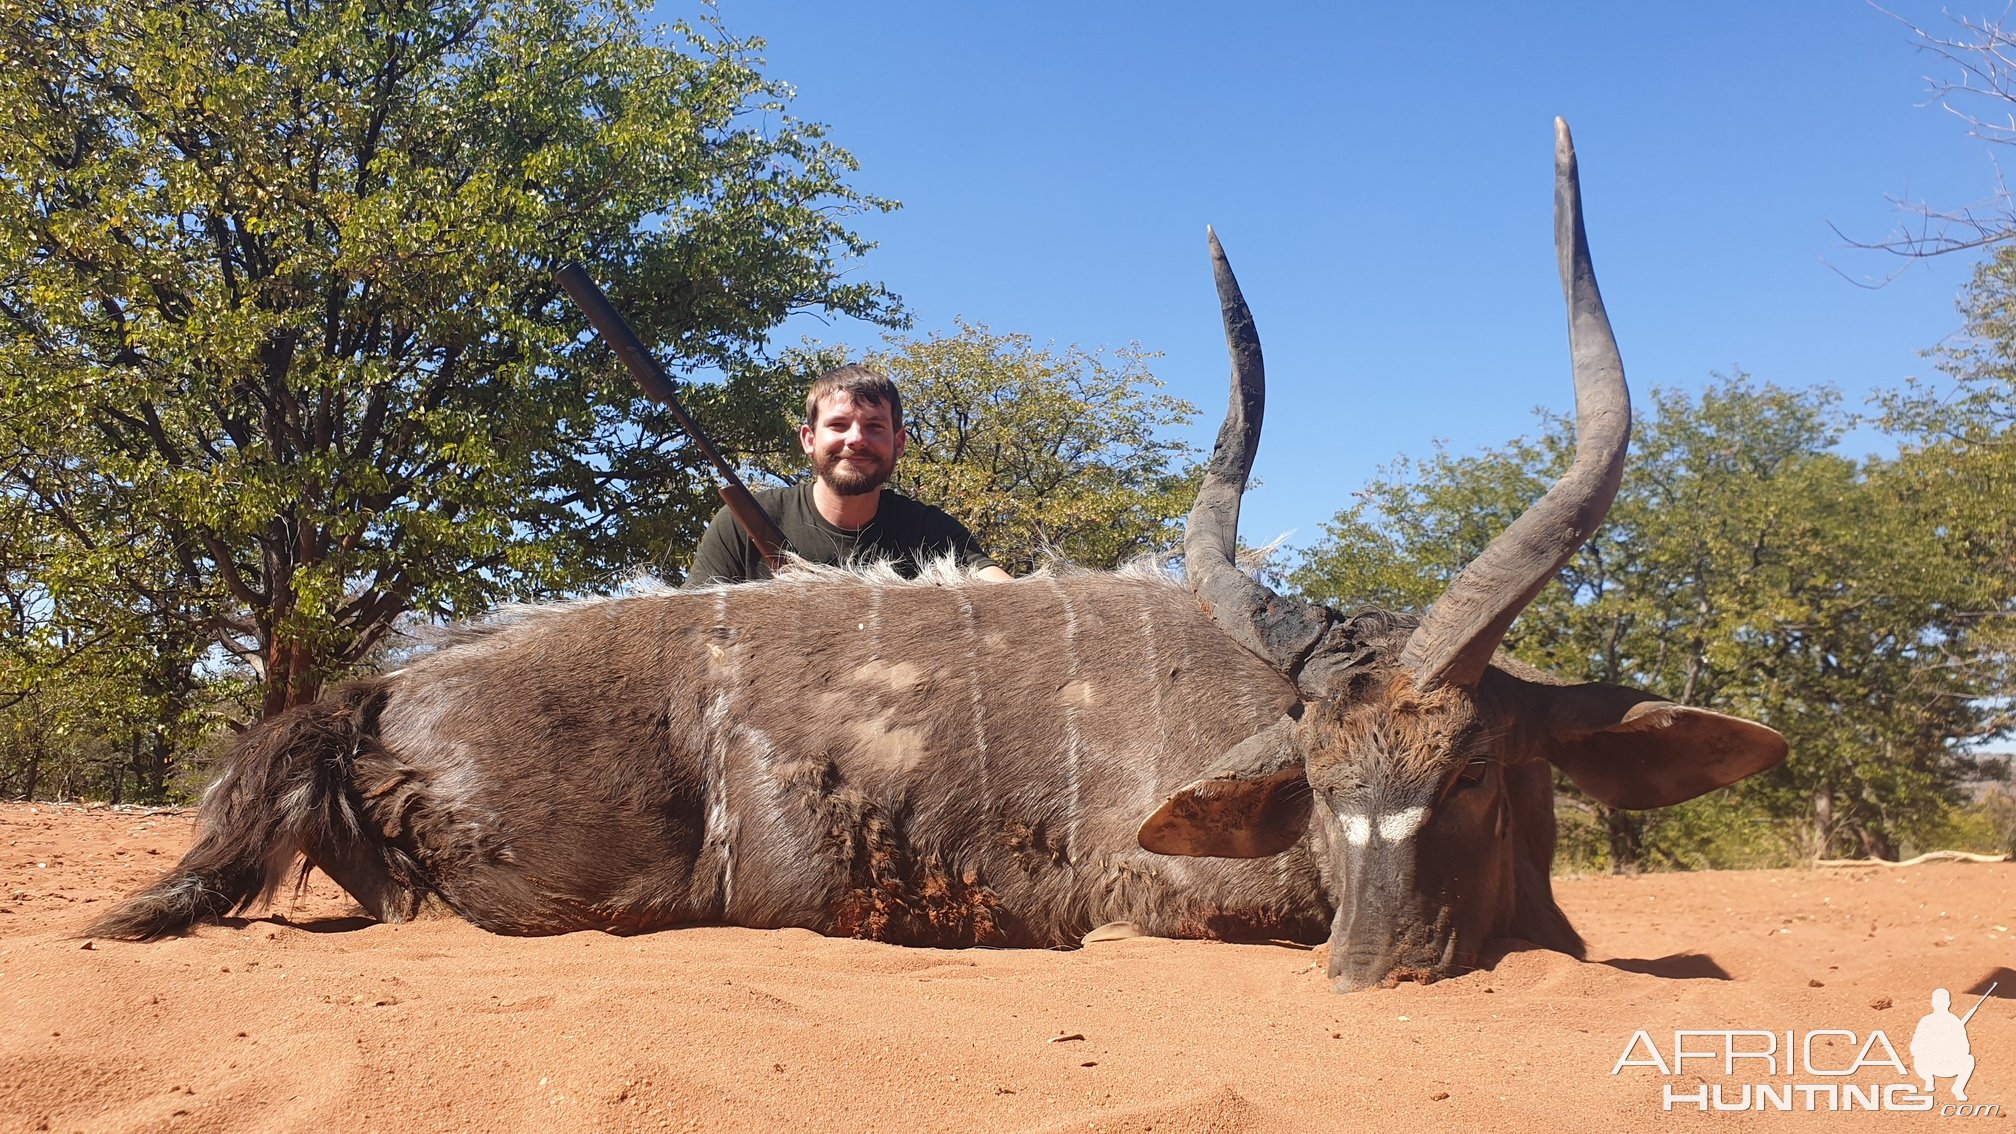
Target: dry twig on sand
{"type": "Point", "coordinates": [1928, 856]}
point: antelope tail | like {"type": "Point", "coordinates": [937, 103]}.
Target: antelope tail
{"type": "Point", "coordinates": [285, 794]}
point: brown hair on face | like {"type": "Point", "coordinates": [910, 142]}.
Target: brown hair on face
{"type": "Point", "coordinates": [860, 383]}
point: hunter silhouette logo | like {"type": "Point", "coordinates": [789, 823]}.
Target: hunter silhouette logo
{"type": "Point", "coordinates": [1939, 1047]}
{"type": "Point", "coordinates": [1815, 1069]}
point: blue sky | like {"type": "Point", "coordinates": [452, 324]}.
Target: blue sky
{"type": "Point", "coordinates": [1382, 179]}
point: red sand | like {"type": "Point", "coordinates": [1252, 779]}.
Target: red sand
{"type": "Point", "coordinates": [314, 1018]}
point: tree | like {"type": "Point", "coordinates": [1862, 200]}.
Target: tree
{"type": "Point", "coordinates": [100, 679]}
{"type": "Point", "coordinates": [1958, 456]}
{"type": "Point", "coordinates": [280, 353]}
{"type": "Point", "coordinates": [1040, 451]}
{"type": "Point", "coordinates": [1977, 86]}
{"type": "Point", "coordinates": [1744, 567]}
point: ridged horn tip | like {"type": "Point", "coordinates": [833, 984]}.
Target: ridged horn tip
{"type": "Point", "coordinates": [1282, 631]}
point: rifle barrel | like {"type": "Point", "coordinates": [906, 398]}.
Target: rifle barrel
{"type": "Point", "coordinates": [762, 530]}
{"type": "Point", "coordinates": [1978, 1003]}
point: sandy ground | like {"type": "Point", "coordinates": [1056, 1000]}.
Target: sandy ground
{"type": "Point", "coordinates": [315, 1018]}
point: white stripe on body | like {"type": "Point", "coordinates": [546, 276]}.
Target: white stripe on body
{"type": "Point", "coordinates": [977, 692]}
{"type": "Point", "coordinates": [1072, 740]}
{"type": "Point", "coordinates": [1179, 873]}
{"type": "Point", "coordinates": [1151, 778]}
{"type": "Point", "coordinates": [722, 731]}
{"type": "Point", "coordinates": [714, 774]}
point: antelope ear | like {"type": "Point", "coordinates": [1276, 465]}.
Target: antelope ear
{"type": "Point", "coordinates": [1252, 803]}
{"type": "Point", "coordinates": [1630, 749]}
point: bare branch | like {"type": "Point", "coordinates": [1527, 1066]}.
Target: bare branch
{"type": "Point", "coordinates": [1981, 56]}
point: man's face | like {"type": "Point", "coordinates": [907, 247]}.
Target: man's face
{"type": "Point", "coordinates": [853, 444]}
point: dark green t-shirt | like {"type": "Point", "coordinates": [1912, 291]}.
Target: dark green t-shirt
{"type": "Point", "coordinates": [903, 531]}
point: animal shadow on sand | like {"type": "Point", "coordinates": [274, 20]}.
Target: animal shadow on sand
{"type": "Point", "coordinates": [348, 924]}
{"type": "Point", "coordinates": [2002, 979]}
{"type": "Point", "coordinates": [1673, 966]}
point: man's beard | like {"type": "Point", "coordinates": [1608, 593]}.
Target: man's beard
{"type": "Point", "coordinates": [849, 479]}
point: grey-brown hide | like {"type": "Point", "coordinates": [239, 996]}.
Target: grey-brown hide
{"type": "Point", "coordinates": [934, 763]}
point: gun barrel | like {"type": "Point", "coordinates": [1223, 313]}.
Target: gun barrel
{"type": "Point", "coordinates": [762, 530]}
{"type": "Point", "coordinates": [1978, 1003]}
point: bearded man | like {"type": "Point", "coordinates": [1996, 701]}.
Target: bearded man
{"type": "Point", "coordinates": [853, 435]}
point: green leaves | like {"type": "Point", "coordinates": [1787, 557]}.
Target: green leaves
{"type": "Point", "coordinates": [1746, 567]}
{"type": "Point", "coordinates": [1039, 450]}
{"type": "Point", "coordinates": [281, 358]}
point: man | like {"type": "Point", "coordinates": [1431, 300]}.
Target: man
{"type": "Point", "coordinates": [853, 434]}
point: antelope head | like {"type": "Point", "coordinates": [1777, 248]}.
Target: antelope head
{"type": "Point", "coordinates": [1418, 766]}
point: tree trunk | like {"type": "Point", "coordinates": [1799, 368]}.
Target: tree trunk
{"type": "Point", "coordinates": [1877, 844]}
{"type": "Point", "coordinates": [34, 746]}
{"type": "Point", "coordinates": [1823, 821]}
{"type": "Point", "coordinates": [151, 756]}
{"type": "Point", "coordinates": [1625, 833]}
{"type": "Point", "coordinates": [161, 755]}
{"type": "Point", "coordinates": [290, 667]}
{"type": "Point", "coordinates": [173, 689]}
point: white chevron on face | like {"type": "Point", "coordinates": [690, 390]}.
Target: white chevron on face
{"type": "Point", "coordinates": [1392, 827]}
